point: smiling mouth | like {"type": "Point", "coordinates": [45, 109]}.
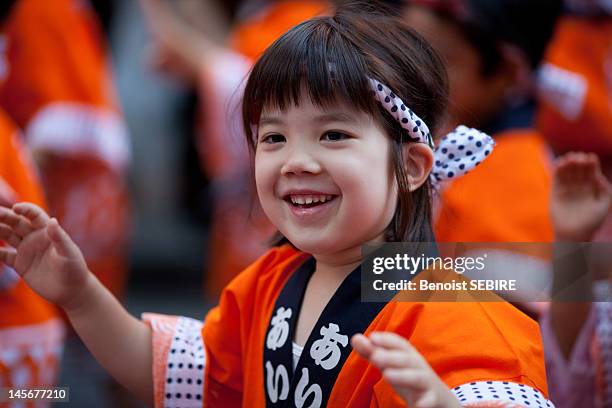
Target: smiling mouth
{"type": "Point", "coordinates": [309, 200]}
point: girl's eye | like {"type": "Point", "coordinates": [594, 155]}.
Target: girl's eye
{"type": "Point", "coordinates": [274, 138]}
{"type": "Point", "coordinates": [335, 136]}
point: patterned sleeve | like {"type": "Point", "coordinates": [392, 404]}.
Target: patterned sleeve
{"type": "Point", "coordinates": [500, 394]}
{"type": "Point", "coordinates": [178, 360]}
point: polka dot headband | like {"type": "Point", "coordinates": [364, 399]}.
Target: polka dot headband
{"type": "Point", "coordinates": [458, 152]}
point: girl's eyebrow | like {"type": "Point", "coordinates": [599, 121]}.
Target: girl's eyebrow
{"type": "Point", "coordinates": [320, 119]}
{"type": "Point", "coordinates": [270, 120]}
{"type": "Point", "coordinates": [335, 117]}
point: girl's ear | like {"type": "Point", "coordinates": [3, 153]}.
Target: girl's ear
{"type": "Point", "coordinates": [418, 161]}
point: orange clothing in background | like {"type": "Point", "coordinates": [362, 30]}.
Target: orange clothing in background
{"type": "Point", "coordinates": [240, 230]}
{"type": "Point", "coordinates": [575, 84]}
{"type": "Point", "coordinates": [575, 108]}
{"type": "Point", "coordinates": [16, 165]}
{"type": "Point", "coordinates": [505, 199]}
{"type": "Point", "coordinates": [253, 36]}
{"type": "Point", "coordinates": [31, 333]}
{"type": "Point", "coordinates": [56, 85]}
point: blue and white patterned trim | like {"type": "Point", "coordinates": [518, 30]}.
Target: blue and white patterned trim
{"type": "Point", "coordinates": [514, 394]}
{"type": "Point", "coordinates": [458, 152]}
{"type": "Point", "coordinates": [416, 127]}
{"type": "Point", "coordinates": [186, 362]}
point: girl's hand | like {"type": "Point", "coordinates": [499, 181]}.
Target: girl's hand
{"type": "Point", "coordinates": [43, 254]}
{"type": "Point", "coordinates": [405, 369]}
{"type": "Point", "coordinates": [581, 197]}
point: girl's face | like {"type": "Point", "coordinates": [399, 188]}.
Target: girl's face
{"type": "Point", "coordinates": [324, 176]}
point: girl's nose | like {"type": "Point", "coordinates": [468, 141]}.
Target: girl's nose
{"type": "Point", "coordinates": [300, 161]}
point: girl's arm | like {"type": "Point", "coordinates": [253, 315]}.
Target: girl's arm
{"type": "Point", "coordinates": [119, 342]}
{"type": "Point", "coordinates": [53, 266]}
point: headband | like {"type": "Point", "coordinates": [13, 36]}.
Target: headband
{"type": "Point", "coordinates": [458, 152]}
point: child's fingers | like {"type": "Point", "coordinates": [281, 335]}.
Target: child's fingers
{"type": "Point", "coordinates": [20, 225]}
{"type": "Point", "coordinates": [390, 340]}
{"type": "Point", "coordinates": [406, 377]}
{"type": "Point", "coordinates": [61, 241]}
{"type": "Point", "coordinates": [587, 169]}
{"type": "Point", "coordinates": [603, 184]}
{"type": "Point", "coordinates": [8, 256]}
{"type": "Point", "coordinates": [362, 345]}
{"type": "Point", "coordinates": [37, 216]}
{"type": "Point", "coordinates": [383, 359]}
{"type": "Point", "coordinates": [576, 169]}
{"type": "Point", "coordinates": [600, 179]}
{"type": "Point", "coordinates": [563, 170]}
{"type": "Point", "coordinates": [7, 234]}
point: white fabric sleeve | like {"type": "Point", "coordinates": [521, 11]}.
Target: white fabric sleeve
{"type": "Point", "coordinates": [179, 361]}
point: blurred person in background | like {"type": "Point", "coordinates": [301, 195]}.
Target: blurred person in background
{"type": "Point", "coordinates": [56, 84]}
{"type": "Point", "coordinates": [31, 330]}
{"type": "Point", "coordinates": [214, 54]}
{"type": "Point", "coordinates": [575, 86]}
{"type": "Point", "coordinates": [575, 114]}
{"type": "Point", "coordinates": [492, 50]}
{"type": "Point", "coordinates": [576, 328]}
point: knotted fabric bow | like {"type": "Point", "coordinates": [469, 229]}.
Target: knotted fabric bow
{"type": "Point", "coordinates": [457, 153]}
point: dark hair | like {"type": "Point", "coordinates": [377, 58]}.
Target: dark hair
{"type": "Point", "coordinates": [527, 24]}
{"type": "Point", "coordinates": [331, 58]}
{"type": "Point", "coordinates": [6, 7]}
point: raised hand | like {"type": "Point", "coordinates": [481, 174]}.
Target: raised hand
{"type": "Point", "coordinates": [405, 369]}
{"type": "Point", "coordinates": [51, 264]}
{"type": "Point", "coordinates": [42, 254]}
{"type": "Point", "coordinates": [178, 47]}
{"type": "Point", "coordinates": [581, 197]}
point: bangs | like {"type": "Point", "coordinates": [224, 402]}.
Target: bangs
{"type": "Point", "coordinates": [313, 59]}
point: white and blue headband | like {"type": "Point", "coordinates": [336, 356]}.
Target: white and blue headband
{"type": "Point", "coordinates": [457, 153]}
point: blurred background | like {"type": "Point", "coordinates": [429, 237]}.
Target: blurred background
{"type": "Point", "coordinates": [122, 117]}
{"type": "Point", "coordinates": [170, 196]}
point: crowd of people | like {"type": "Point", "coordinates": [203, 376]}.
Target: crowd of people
{"type": "Point", "coordinates": [323, 126]}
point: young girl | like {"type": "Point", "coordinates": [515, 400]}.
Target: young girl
{"type": "Point", "coordinates": [336, 112]}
